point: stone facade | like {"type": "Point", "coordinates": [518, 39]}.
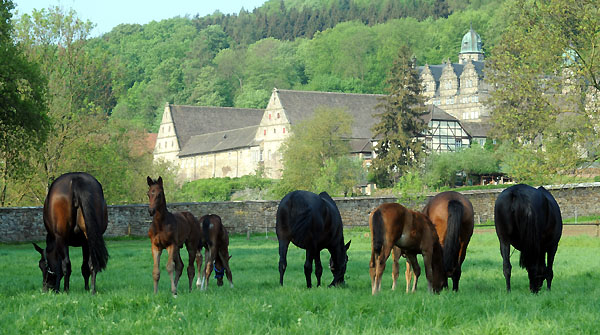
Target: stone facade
{"type": "Point", "coordinates": [25, 224]}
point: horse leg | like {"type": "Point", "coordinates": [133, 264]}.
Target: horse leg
{"type": "Point", "coordinates": [396, 267]}
{"type": "Point", "coordinates": [380, 267]}
{"type": "Point", "coordinates": [506, 267]}
{"type": "Point", "coordinates": [200, 279]}
{"type": "Point", "coordinates": [66, 268]}
{"type": "Point", "coordinates": [283, 249]}
{"type": "Point", "coordinates": [549, 272]}
{"type": "Point", "coordinates": [210, 260]}
{"type": "Point", "coordinates": [318, 268]}
{"type": "Point", "coordinates": [308, 267]}
{"type": "Point", "coordinates": [156, 252]}
{"type": "Point", "coordinates": [173, 267]}
{"type": "Point", "coordinates": [412, 263]}
{"type": "Point", "coordinates": [85, 266]}
{"type": "Point", "coordinates": [190, 268]}
{"type": "Point", "coordinates": [178, 263]}
{"type": "Point", "coordinates": [456, 277]}
{"type": "Point", "coordinates": [225, 261]}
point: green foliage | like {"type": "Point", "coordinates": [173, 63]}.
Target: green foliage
{"type": "Point", "coordinates": [410, 189]}
{"type": "Point", "coordinates": [217, 189]}
{"type": "Point", "coordinates": [311, 144]}
{"type": "Point", "coordinates": [24, 122]}
{"type": "Point", "coordinates": [340, 175]}
{"type": "Point", "coordinates": [399, 122]}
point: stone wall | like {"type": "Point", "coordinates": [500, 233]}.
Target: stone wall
{"type": "Point", "coordinates": [26, 224]}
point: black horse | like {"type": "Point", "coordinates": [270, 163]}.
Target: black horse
{"type": "Point", "coordinates": [530, 220]}
{"type": "Point", "coordinates": [75, 214]}
{"type": "Point", "coordinates": [312, 222]}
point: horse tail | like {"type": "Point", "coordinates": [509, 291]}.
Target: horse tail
{"type": "Point", "coordinates": [377, 226]}
{"type": "Point", "coordinates": [206, 230]}
{"type": "Point", "coordinates": [451, 242]}
{"type": "Point", "coordinates": [93, 217]}
{"type": "Point", "coordinates": [527, 226]}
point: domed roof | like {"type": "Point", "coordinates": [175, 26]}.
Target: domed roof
{"type": "Point", "coordinates": [471, 42]}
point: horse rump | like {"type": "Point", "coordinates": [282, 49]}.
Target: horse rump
{"type": "Point", "coordinates": [451, 242]}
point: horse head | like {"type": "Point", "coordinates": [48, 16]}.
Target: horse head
{"type": "Point", "coordinates": [439, 274]}
{"type": "Point", "coordinates": [338, 265]}
{"type": "Point", "coordinates": [219, 270]}
{"type": "Point", "coordinates": [47, 263]}
{"type": "Point", "coordinates": [156, 195]}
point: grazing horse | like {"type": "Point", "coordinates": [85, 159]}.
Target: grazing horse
{"type": "Point", "coordinates": [171, 231]}
{"type": "Point", "coordinates": [392, 225]}
{"type": "Point", "coordinates": [530, 220]}
{"type": "Point", "coordinates": [312, 222]}
{"type": "Point", "coordinates": [216, 241]}
{"type": "Point", "coordinates": [452, 215]}
{"type": "Point", "coordinates": [75, 214]}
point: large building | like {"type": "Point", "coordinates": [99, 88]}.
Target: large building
{"type": "Point", "coordinates": [206, 142]}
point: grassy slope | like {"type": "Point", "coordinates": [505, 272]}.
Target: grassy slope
{"type": "Point", "coordinates": [125, 303]}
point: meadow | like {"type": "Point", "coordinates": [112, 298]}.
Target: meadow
{"type": "Point", "coordinates": [257, 304]}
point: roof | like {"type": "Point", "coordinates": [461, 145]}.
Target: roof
{"type": "Point", "coordinates": [436, 70]}
{"type": "Point", "coordinates": [471, 42]}
{"type": "Point", "coordinates": [477, 129]}
{"type": "Point", "coordinates": [436, 113]}
{"type": "Point", "coordinates": [195, 120]}
{"type": "Point", "coordinates": [300, 105]}
{"type": "Point", "coordinates": [220, 141]}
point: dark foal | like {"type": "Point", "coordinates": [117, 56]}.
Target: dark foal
{"type": "Point", "coordinates": [216, 241]}
{"type": "Point", "coordinates": [171, 231]}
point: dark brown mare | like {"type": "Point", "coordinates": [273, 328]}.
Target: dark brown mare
{"type": "Point", "coordinates": [530, 220]}
{"type": "Point", "coordinates": [312, 222]}
{"type": "Point", "coordinates": [392, 225]}
{"type": "Point", "coordinates": [171, 231]}
{"type": "Point", "coordinates": [75, 214]}
{"type": "Point", "coordinates": [452, 215]}
{"type": "Point", "coordinates": [216, 241]}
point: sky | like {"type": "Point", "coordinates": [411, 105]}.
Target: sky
{"type": "Point", "coordinates": [107, 14]}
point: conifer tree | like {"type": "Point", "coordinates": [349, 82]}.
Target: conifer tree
{"type": "Point", "coordinates": [399, 123]}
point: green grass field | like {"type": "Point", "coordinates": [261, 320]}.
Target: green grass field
{"type": "Point", "coordinates": [257, 304]}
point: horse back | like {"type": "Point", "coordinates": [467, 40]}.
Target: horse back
{"type": "Point", "coordinates": [400, 226]}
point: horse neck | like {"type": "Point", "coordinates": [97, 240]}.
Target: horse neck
{"type": "Point", "coordinates": [161, 213]}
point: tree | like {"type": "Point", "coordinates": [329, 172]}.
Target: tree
{"type": "Point", "coordinates": [312, 143]}
{"type": "Point", "coordinates": [544, 71]}
{"type": "Point", "coordinates": [23, 112]}
{"type": "Point", "coordinates": [399, 124]}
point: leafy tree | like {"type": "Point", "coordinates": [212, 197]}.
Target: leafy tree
{"type": "Point", "coordinates": [545, 73]}
{"type": "Point", "coordinates": [340, 175]}
{"type": "Point", "coordinates": [399, 124]}
{"type": "Point", "coordinates": [23, 119]}
{"type": "Point", "coordinates": [311, 144]}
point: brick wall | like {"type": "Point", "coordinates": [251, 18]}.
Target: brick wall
{"type": "Point", "coordinates": [25, 223]}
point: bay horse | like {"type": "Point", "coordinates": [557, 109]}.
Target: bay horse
{"type": "Point", "coordinates": [216, 241]}
{"type": "Point", "coordinates": [452, 215]}
{"type": "Point", "coordinates": [312, 222]}
{"type": "Point", "coordinates": [171, 231]}
{"type": "Point", "coordinates": [75, 214]}
{"type": "Point", "coordinates": [392, 224]}
{"type": "Point", "coordinates": [528, 219]}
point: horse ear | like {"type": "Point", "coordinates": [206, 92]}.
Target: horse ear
{"type": "Point", "coordinates": [38, 249]}
{"type": "Point", "coordinates": [159, 181]}
{"type": "Point", "coordinates": [347, 246]}
{"type": "Point", "coordinates": [150, 181]}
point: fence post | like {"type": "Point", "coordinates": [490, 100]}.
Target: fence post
{"type": "Point", "coordinates": [247, 232]}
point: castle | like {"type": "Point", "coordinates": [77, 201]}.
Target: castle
{"type": "Point", "coordinates": [207, 142]}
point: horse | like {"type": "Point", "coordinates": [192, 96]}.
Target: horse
{"type": "Point", "coordinates": [216, 241]}
{"type": "Point", "coordinates": [312, 222]}
{"type": "Point", "coordinates": [452, 215]}
{"type": "Point", "coordinates": [392, 224]}
{"type": "Point", "coordinates": [528, 219]}
{"type": "Point", "coordinates": [171, 231]}
{"type": "Point", "coordinates": [75, 214]}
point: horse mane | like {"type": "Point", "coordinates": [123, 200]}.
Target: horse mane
{"type": "Point", "coordinates": [84, 199]}
{"type": "Point", "coordinates": [378, 231]}
{"type": "Point", "coordinates": [451, 243]}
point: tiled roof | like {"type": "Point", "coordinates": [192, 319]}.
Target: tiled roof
{"type": "Point", "coordinates": [220, 141]}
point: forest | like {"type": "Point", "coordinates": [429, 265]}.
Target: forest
{"type": "Point", "coordinates": [113, 88]}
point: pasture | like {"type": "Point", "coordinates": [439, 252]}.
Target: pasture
{"type": "Point", "coordinates": [257, 304]}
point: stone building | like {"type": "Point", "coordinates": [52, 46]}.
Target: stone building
{"type": "Point", "coordinates": [206, 142]}
{"type": "Point", "coordinates": [459, 89]}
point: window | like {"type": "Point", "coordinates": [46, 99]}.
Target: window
{"type": "Point", "coordinates": [448, 85]}
{"type": "Point", "coordinates": [274, 131]}
{"type": "Point", "coordinates": [265, 132]}
{"type": "Point", "coordinates": [278, 115]}
{"type": "Point", "coordinates": [269, 116]}
{"type": "Point", "coordinates": [159, 145]}
{"type": "Point", "coordinates": [284, 130]}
